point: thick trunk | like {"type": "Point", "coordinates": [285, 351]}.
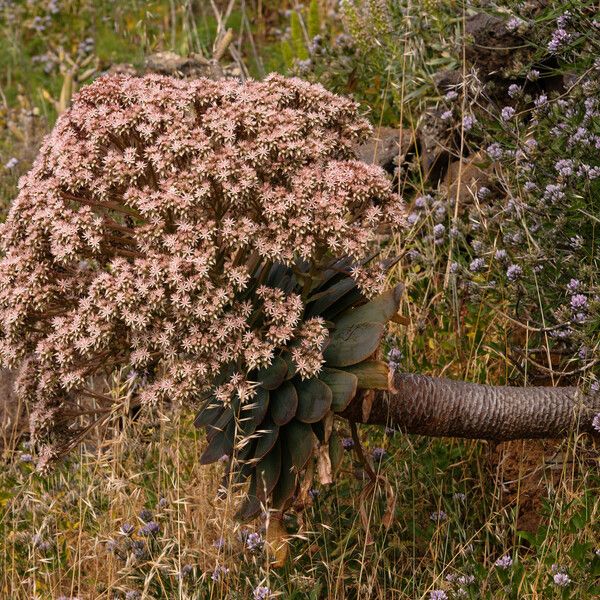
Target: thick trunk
{"type": "Point", "coordinates": [442, 407]}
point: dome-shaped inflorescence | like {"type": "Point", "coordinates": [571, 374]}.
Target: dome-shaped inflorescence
{"type": "Point", "coordinates": [174, 231]}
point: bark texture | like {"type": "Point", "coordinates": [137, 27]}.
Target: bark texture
{"type": "Point", "coordinates": [443, 407]}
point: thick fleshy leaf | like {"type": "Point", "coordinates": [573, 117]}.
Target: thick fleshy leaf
{"type": "Point", "coordinates": [209, 413]}
{"type": "Point", "coordinates": [299, 439]}
{"type": "Point", "coordinates": [224, 418]}
{"type": "Point", "coordinates": [221, 443]}
{"type": "Point", "coordinates": [284, 403]}
{"type": "Point", "coordinates": [273, 376]}
{"type": "Point", "coordinates": [268, 471]}
{"type": "Point", "coordinates": [343, 386]}
{"type": "Point", "coordinates": [336, 451]}
{"type": "Point", "coordinates": [353, 344]}
{"type": "Point", "coordinates": [371, 374]}
{"type": "Point", "coordinates": [323, 300]}
{"type": "Point", "coordinates": [290, 365]}
{"type": "Point", "coordinates": [251, 505]}
{"type": "Point", "coordinates": [252, 414]}
{"type": "Point", "coordinates": [314, 400]}
{"type": "Point", "coordinates": [378, 310]}
{"type": "Point", "coordinates": [353, 297]}
{"type": "Point", "coordinates": [268, 432]}
{"type": "Point", "coordinates": [286, 486]}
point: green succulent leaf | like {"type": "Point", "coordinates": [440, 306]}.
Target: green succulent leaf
{"type": "Point", "coordinates": [252, 414]}
{"type": "Point", "coordinates": [326, 298]}
{"type": "Point", "coordinates": [378, 310]}
{"type": "Point", "coordinates": [273, 376]}
{"type": "Point", "coordinates": [298, 438]}
{"type": "Point", "coordinates": [314, 400]}
{"type": "Point", "coordinates": [343, 386]}
{"type": "Point", "coordinates": [353, 344]}
{"type": "Point", "coordinates": [220, 444]}
{"type": "Point", "coordinates": [209, 413]}
{"type": "Point", "coordinates": [268, 471]}
{"type": "Point", "coordinates": [284, 403]}
{"type": "Point", "coordinates": [251, 505]}
{"type": "Point", "coordinates": [269, 433]}
{"type": "Point", "coordinates": [224, 418]}
{"type": "Point", "coordinates": [286, 486]}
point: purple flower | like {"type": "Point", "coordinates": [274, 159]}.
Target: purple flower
{"type": "Point", "coordinates": [495, 151]}
{"type": "Point", "coordinates": [219, 543]}
{"type": "Point", "coordinates": [468, 122]}
{"type": "Point", "coordinates": [439, 230]}
{"type": "Point", "coordinates": [254, 541]}
{"type": "Point", "coordinates": [146, 515]}
{"type": "Point", "coordinates": [541, 100]}
{"type": "Point", "coordinates": [596, 422]}
{"type": "Point", "coordinates": [127, 529]}
{"type": "Point", "coordinates": [11, 163]}
{"type": "Point", "coordinates": [483, 192]}
{"type": "Point", "coordinates": [560, 38]}
{"type": "Point", "coordinates": [564, 167]}
{"type": "Point", "coordinates": [26, 458]}
{"type": "Point", "coordinates": [446, 115]}
{"type": "Point", "coordinates": [150, 528]}
{"type": "Point", "coordinates": [132, 595]}
{"type": "Point", "coordinates": [459, 496]}
{"type": "Point", "coordinates": [514, 90]}
{"type": "Point", "coordinates": [412, 218]}
{"type": "Point", "coordinates": [219, 573]}
{"type": "Point", "coordinates": [438, 516]}
{"type": "Point", "coordinates": [508, 112]}
{"type": "Point", "coordinates": [423, 201]}
{"type": "Point", "coordinates": [262, 593]}
{"type": "Point", "coordinates": [348, 443]}
{"type": "Point", "coordinates": [513, 24]}
{"type": "Point", "coordinates": [501, 255]}
{"type": "Point", "coordinates": [139, 549]}
{"type": "Point", "coordinates": [451, 95]}
{"type": "Point", "coordinates": [578, 302]}
{"type": "Point", "coordinates": [564, 19]}
{"type": "Point", "coordinates": [504, 562]}
{"type": "Point", "coordinates": [514, 272]}
{"type": "Point", "coordinates": [561, 579]}
{"type": "Point", "coordinates": [554, 193]}
{"type": "Point", "coordinates": [395, 355]}
{"type": "Point", "coordinates": [477, 265]}
{"type": "Point", "coordinates": [533, 75]}
{"type": "Point", "coordinates": [378, 454]}
{"type": "Point", "coordinates": [438, 595]}
{"type": "Point", "coordinates": [573, 285]}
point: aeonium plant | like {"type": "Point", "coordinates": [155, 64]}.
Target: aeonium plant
{"type": "Point", "coordinates": [214, 241]}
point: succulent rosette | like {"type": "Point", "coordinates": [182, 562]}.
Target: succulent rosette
{"type": "Point", "coordinates": [199, 238]}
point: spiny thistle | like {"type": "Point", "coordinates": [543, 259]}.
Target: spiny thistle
{"type": "Point", "coordinates": [201, 236]}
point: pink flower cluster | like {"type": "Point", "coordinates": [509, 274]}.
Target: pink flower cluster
{"type": "Point", "coordinates": [154, 202]}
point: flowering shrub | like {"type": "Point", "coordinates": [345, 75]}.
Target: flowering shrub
{"type": "Point", "coordinates": [175, 230]}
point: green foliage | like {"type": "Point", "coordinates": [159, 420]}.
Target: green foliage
{"type": "Point", "coordinates": [271, 438]}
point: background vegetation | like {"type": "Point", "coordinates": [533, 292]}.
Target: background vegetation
{"type": "Point", "coordinates": [501, 266]}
